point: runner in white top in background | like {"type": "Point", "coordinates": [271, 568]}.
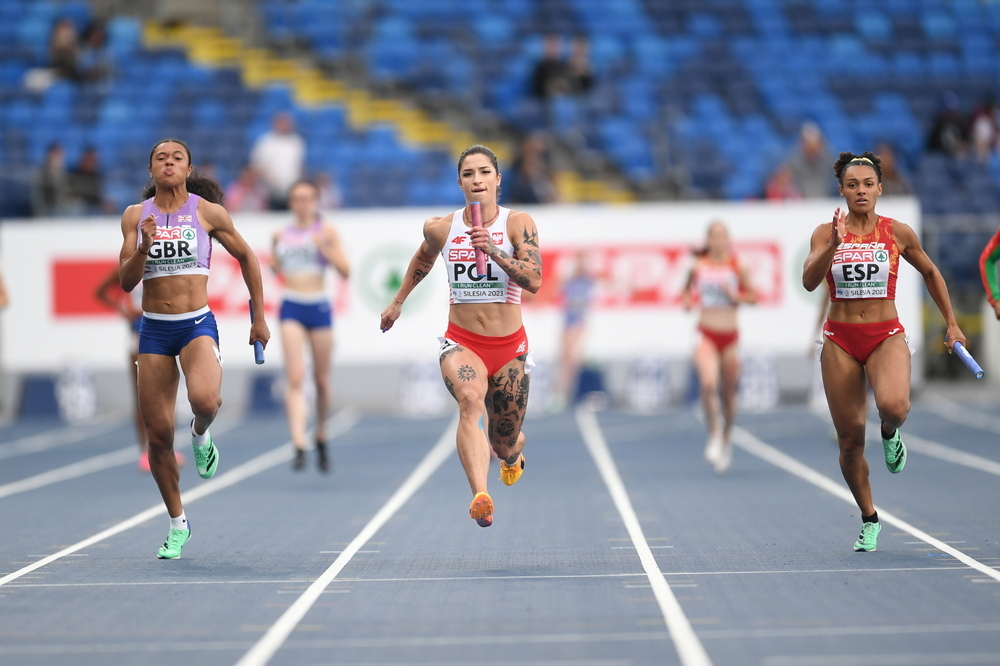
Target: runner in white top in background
{"type": "Point", "coordinates": [302, 252]}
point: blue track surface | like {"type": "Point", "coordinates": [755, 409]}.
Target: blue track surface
{"type": "Point", "coordinates": [753, 567]}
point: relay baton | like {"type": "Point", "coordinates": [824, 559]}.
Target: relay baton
{"type": "Point", "coordinates": [967, 359]}
{"type": "Point", "coordinates": [258, 346]}
{"type": "Point", "coordinates": [476, 212]}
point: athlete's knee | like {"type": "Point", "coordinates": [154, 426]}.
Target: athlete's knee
{"type": "Point", "coordinates": [469, 403]}
{"type": "Point", "coordinates": [894, 410]}
{"type": "Point", "coordinates": [851, 441]}
{"type": "Point", "coordinates": [205, 404]}
{"type": "Point", "coordinates": [159, 437]}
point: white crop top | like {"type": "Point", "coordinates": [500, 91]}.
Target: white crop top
{"type": "Point", "coordinates": [460, 260]}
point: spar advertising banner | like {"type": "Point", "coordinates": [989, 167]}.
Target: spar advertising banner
{"type": "Point", "coordinates": [638, 255]}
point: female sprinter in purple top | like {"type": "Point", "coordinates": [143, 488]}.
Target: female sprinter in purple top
{"type": "Point", "coordinates": [485, 359]}
{"type": "Point", "coordinates": [301, 253]}
{"type": "Point", "coordinates": [167, 245]}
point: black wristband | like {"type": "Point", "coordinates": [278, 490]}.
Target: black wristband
{"type": "Point", "coordinates": [140, 250]}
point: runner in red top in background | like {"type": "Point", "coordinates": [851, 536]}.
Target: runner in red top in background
{"type": "Point", "coordinates": [858, 255]}
{"type": "Point", "coordinates": [720, 284]}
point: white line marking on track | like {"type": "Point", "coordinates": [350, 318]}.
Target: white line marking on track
{"type": "Point", "coordinates": [434, 579]}
{"type": "Point", "coordinates": [956, 413]}
{"type": "Point", "coordinates": [50, 439]}
{"type": "Point", "coordinates": [340, 422]}
{"type": "Point", "coordinates": [772, 455]}
{"type": "Point", "coordinates": [934, 659]}
{"type": "Point", "coordinates": [689, 648]}
{"type": "Point", "coordinates": [71, 471]}
{"type": "Point", "coordinates": [339, 643]}
{"type": "Point", "coordinates": [272, 640]}
{"type": "Point", "coordinates": [88, 466]}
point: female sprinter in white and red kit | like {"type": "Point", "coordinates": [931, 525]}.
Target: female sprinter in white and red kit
{"type": "Point", "coordinates": [485, 357]}
{"type": "Point", "coordinates": [858, 256]}
{"type": "Point", "coordinates": [721, 284]}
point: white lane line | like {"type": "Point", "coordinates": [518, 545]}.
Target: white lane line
{"type": "Point", "coordinates": [689, 648]}
{"type": "Point", "coordinates": [50, 439]}
{"type": "Point", "coordinates": [340, 422]}
{"type": "Point", "coordinates": [435, 579]}
{"type": "Point", "coordinates": [88, 466]}
{"type": "Point", "coordinates": [272, 640]}
{"type": "Point", "coordinates": [772, 455]}
{"type": "Point", "coordinates": [901, 659]}
{"type": "Point", "coordinates": [344, 643]}
{"type": "Point", "coordinates": [956, 413]}
{"type": "Point", "coordinates": [939, 451]}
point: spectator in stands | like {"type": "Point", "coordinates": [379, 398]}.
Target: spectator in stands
{"type": "Point", "coordinates": [86, 186]}
{"type": "Point", "coordinates": [810, 164]}
{"type": "Point", "coordinates": [247, 193]}
{"type": "Point", "coordinates": [4, 297]}
{"type": "Point", "coordinates": [279, 155]}
{"type": "Point", "coordinates": [548, 78]}
{"type": "Point", "coordinates": [780, 185]}
{"type": "Point", "coordinates": [894, 181]}
{"type": "Point", "coordinates": [50, 195]}
{"type": "Point", "coordinates": [64, 49]}
{"type": "Point", "coordinates": [94, 63]}
{"type": "Point", "coordinates": [330, 196]}
{"type": "Point", "coordinates": [579, 76]}
{"type": "Point", "coordinates": [948, 133]}
{"type": "Point", "coordinates": [533, 182]}
{"type": "Point", "coordinates": [984, 130]}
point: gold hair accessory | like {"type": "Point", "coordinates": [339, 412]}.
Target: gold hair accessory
{"type": "Point", "coordinates": [861, 159]}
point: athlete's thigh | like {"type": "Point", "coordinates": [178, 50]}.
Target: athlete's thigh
{"type": "Point", "coordinates": [293, 341]}
{"type": "Point", "coordinates": [844, 383]}
{"type": "Point", "coordinates": [730, 364]}
{"type": "Point", "coordinates": [507, 400]}
{"type": "Point", "coordinates": [464, 373]}
{"type": "Point", "coordinates": [889, 369]}
{"type": "Point", "coordinates": [201, 362]}
{"type": "Point", "coordinates": [706, 360]}
{"type": "Point", "coordinates": [321, 342]}
{"type": "Point", "coordinates": [156, 383]}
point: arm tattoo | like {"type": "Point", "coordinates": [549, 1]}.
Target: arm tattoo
{"type": "Point", "coordinates": [418, 275]}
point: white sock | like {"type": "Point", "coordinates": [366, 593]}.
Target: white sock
{"type": "Point", "coordinates": [179, 523]}
{"type": "Point", "coordinates": [199, 440]}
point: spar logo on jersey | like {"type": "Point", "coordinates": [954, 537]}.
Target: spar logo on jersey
{"type": "Point", "coordinates": [458, 240]}
{"type": "Point", "coordinates": [462, 254]}
{"type": "Point", "coordinates": [175, 233]}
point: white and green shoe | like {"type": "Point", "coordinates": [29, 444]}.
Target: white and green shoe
{"type": "Point", "coordinates": [206, 458]}
{"type": "Point", "coordinates": [868, 538]}
{"type": "Point", "coordinates": [895, 452]}
{"type": "Point", "coordinates": [171, 548]}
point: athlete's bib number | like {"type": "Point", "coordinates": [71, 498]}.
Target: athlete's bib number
{"type": "Point", "coordinates": [861, 274]}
